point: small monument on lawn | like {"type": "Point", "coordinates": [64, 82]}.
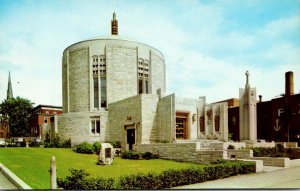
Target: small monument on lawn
{"type": "Point", "coordinates": [247, 110]}
{"type": "Point", "coordinates": [106, 154]}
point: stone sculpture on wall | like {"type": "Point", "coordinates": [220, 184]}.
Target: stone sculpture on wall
{"type": "Point", "coordinates": [202, 128]}
{"type": "Point", "coordinates": [217, 123]}
{"type": "Point", "coordinates": [208, 113]}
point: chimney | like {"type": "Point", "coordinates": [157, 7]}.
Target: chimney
{"type": "Point", "coordinates": [260, 98]}
{"type": "Point", "coordinates": [289, 83]}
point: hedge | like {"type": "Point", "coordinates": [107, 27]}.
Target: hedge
{"type": "Point", "coordinates": [166, 179]}
{"type": "Point", "coordinates": [277, 151]}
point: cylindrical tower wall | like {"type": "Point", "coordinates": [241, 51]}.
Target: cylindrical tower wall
{"type": "Point", "coordinates": [126, 63]}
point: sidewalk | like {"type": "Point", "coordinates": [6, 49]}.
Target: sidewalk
{"type": "Point", "coordinates": [272, 177]}
{"type": "Point", "coordinates": [8, 180]}
{"type": "Point", "coordinates": [5, 183]}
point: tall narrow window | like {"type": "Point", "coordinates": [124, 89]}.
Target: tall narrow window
{"type": "Point", "coordinates": [143, 76]}
{"type": "Point", "coordinates": [95, 126]}
{"type": "Point", "coordinates": [140, 86]}
{"type": "Point", "coordinates": [96, 92]}
{"type": "Point", "coordinates": [103, 92]}
{"type": "Point", "coordinates": [146, 86]}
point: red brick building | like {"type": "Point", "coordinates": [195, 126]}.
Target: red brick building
{"type": "Point", "coordinates": [277, 120]}
{"type": "Point", "coordinates": [43, 118]}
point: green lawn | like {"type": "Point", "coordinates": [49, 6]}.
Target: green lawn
{"type": "Point", "coordinates": [32, 164]}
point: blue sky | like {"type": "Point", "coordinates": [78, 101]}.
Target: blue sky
{"type": "Point", "coordinates": [208, 45]}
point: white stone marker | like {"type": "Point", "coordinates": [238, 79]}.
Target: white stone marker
{"type": "Point", "coordinates": [106, 154]}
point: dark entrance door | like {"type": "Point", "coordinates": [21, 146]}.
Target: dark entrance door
{"type": "Point", "coordinates": [130, 137]}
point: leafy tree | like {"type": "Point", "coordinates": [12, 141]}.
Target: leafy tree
{"type": "Point", "coordinates": [18, 110]}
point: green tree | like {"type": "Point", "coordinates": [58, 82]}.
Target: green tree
{"type": "Point", "coordinates": [18, 110]}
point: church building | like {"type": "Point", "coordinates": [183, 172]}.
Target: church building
{"type": "Point", "coordinates": [114, 90]}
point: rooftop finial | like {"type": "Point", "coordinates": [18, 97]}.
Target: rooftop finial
{"type": "Point", "coordinates": [114, 25]}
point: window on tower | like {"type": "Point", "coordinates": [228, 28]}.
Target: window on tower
{"type": "Point", "coordinates": [103, 92]}
{"type": "Point", "coordinates": [143, 76]}
{"type": "Point", "coordinates": [99, 80]}
{"type": "Point", "coordinates": [96, 92]}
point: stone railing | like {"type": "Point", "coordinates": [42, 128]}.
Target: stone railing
{"type": "Point", "coordinates": [239, 153]}
{"type": "Point", "coordinates": [271, 161]}
{"type": "Point", "coordinates": [288, 144]}
{"type": "Point", "coordinates": [186, 152]}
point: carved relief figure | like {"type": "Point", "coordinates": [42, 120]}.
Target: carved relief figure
{"type": "Point", "coordinates": [202, 123]}
{"type": "Point", "coordinates": [217, 123]}
{"type": "Point", "coordinates": [208, 113]}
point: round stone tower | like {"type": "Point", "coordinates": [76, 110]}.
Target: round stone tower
{"type": "Point", "coordinates": [100, 71]}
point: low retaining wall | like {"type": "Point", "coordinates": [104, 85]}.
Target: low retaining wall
{"type": "Point", "coordinates": [288, 144]}
{"type": "Point", "coordinates": [271, 161]}
{"type": "Point", "coordinates": [185, 152]}
{"type": "Point", "coordinates": [266, 145]}
{"type": "Point", "coordinates": [238, 154]}
{"type": "Point", "coordinates": [13, 178]}
{"type": "Point", "coordinates": [224, 146]}
{"type": "Point", "coordinates": [295, 162]}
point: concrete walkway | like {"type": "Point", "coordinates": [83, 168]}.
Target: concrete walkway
{"type": "Point", "coordinates": [5, 183]}
{"type": "Point", "coordinates": [272, 177]}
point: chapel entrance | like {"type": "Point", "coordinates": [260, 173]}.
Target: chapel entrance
{"type": "Point", "coordinates": [130, 137]}
{"type": "Point", "coordinates": [181, 126]}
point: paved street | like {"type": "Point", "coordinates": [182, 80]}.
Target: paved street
{"type": "Point", "coordinates": [5, 183]}
{"type": "Point", "coordinates": [272, 178]}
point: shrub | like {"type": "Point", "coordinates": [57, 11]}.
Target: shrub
{"type": "Point", "coordinates": [116, 144]}
{"type": "Point", "coordinates": [85, 148]}
{"type": "Point", "coordinates": [130, 155]}
{"type": "Point", "coordinates": [167, 179]}
{"type": "Point", "coordinates": [66, 143]}
{"type": "Point", "coordinates": [140, 181]}
{"type": "Point", "coordinates": [56, 141]}
{"type": "Point", "coordinates": [97, 147]}
{"type": "Point", "coordinates": [147, 155]}
{"type": "Point", "coordinates": [78, 181]}
{"type": "Point", "coordinates": [230, 147]}
{"type": "Point", "coordinates": [276, 151]}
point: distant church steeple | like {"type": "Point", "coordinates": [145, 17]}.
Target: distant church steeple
{"type": "Point", "coordinates": [9, 88]}
{"type": "Point", "coordinates": [114, 25]}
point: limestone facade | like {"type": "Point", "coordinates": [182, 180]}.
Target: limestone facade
{"type": "Point", "coordinates": [114, 90]}
{"type": "Point", "coordinates": [247, 110]}
{"type": "Point", "coordinates": [122, 64]}
{"type": "Point", "coordinates": [154, 119]}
